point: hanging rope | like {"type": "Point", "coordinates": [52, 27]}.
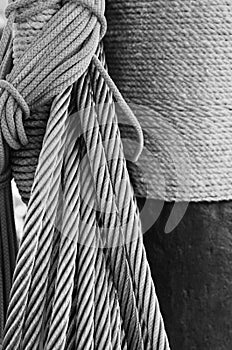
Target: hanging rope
{"type": "Point", "coordinates": [81, 280]}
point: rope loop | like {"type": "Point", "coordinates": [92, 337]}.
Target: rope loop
{"type": "Point", "coordinates": [12, 126]}
{"type": "Point", "coordinates": [4, 84]}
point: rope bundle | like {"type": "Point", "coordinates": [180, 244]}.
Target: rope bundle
{"type": "Point", "coordinates": [82, 280]}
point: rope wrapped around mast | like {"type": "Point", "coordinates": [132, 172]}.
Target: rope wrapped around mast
{"type": "Point", "coordinates": [81, 280]}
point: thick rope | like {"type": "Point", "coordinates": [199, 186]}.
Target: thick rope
{"type": "Point", "coordinates": [91, 298]}
{"type": "Point", "coordinates": [172, 62]}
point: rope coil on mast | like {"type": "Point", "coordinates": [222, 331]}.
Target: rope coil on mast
{"type": "Point", "coordinates": [56, 300]}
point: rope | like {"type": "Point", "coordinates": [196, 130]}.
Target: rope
{"type": "Point", "coordinates": [81, 279]}
{"type": "Point", "coordinates": [144, 289]}
{"type": "Point", "coordinates": [106, 202]}
{"type": "Point", "coordinates": [25, 159]}
{"type": "Point", "coordinates": [172, 62]}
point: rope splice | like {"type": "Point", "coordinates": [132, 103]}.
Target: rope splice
{"type": "Point", "coordinates": [81, 221]}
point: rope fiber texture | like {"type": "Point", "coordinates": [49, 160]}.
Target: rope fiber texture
{"type": "Point", "coordinates": [82, 280]}
{"type": "Point", "coordinates": [172, 62]}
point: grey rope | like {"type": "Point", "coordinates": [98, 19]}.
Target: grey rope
{"type": "Point", "coordinates": [72, 290]}
{"type": "Point", "coordinates": [106, 202]}
{"type": "Point", "coordinates": [48, 174]}
{"type": "Point", "coordinates": [144, 289]}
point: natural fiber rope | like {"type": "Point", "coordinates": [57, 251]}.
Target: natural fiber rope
{"type": "Point", "coordinates": [70, 291]}
{"type": "Point", "coordinates": [172, 62]}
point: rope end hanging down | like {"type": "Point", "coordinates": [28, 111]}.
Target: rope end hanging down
{"type": "Point", "coordinates": [68, 292]}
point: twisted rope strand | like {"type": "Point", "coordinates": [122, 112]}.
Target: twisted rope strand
{"type": "Point", "coordinates": [46, 173]}
{"type": "Point", "coordinates": [38, 287]}
{"type": "Point", "coordinates": [106, 200]}
{"type": "Point", "coordinates": [62, 301]}
{"type": "Point", "coordinates": [102, 326]}
{"type": "Point", "coordinates": [154, 334]}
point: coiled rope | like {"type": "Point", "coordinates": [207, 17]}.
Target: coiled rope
{"type": "Point", "coordinates": [81, 280]}
{"type": "Point", "coordinates": [172, 62]}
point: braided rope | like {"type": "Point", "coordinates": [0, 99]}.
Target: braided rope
{"type": "Point", "coordinates": [90, 298]}
{"type": "Point", "coordinates": [25, 159]}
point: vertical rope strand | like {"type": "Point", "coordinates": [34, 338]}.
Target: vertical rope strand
{"type": "Point", "coordinates": [46, 173]}
{"type": "Point", "coordinates": [154, 334]}
{"type": "Point", "coordinates": [106, 199]}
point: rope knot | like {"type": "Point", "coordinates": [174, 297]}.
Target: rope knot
{"type": "Point", "coordinates": [13, 107]}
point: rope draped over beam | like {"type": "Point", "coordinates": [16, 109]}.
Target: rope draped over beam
{"type": "Point", "coordinates": [81, 280]}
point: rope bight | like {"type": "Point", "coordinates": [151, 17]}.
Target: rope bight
{"type": "Point", "coordinates": [81, 279]}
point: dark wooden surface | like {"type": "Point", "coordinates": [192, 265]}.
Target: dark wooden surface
{"type": "Point", "coordinates": [192, 271]}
